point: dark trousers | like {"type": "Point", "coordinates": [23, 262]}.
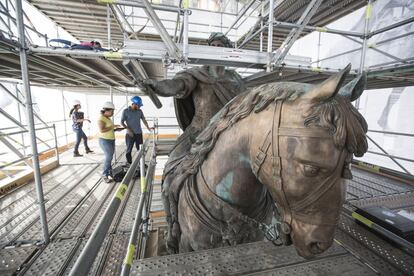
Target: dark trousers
{"type": "Point", "coordinates": [79, 136]}
{"type": "Point", "coordinates": [130, 141]}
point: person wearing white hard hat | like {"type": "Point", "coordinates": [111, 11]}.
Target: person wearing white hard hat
{"type": "Point", "coordinates": [78, 119]}
{"type": "Point", "coordinates": [107, 138]}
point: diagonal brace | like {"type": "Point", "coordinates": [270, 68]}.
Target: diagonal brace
{"type": "Point", "coordinates": [294, 33]}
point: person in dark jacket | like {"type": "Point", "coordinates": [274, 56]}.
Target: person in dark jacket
{"type": "Point", "coordinates": [78, 119]}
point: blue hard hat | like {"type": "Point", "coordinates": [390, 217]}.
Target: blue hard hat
{"type": "Point", "coordinates": [137, 100]}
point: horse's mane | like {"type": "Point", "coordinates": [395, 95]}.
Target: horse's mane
{"type": "Point", "coordinates": [338, 115]}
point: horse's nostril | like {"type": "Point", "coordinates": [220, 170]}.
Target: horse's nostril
{"type": "Point", "coordinates": [316, 248]}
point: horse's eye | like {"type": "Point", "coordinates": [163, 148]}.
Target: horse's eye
{"type": "Point", "coordinates": [310, 170]}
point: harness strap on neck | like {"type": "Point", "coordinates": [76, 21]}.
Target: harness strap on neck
{"type": "Point", "coordinates": [304, 132]}
{"type": "Point", "coordinates": [277, 167]}
{"type": "Point", "coordinates": [261, 154]}
{"type": "Point", "coordinates": [262, 208]}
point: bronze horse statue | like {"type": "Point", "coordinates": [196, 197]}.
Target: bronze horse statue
{"type": "Point", "coordinates": [284, 144]}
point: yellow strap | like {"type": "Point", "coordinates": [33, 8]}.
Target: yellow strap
{"type": "Point", "coordinates": [130, 255]}
{"type": "Point", "coordinates": [374, 168]}
{"type": "Point", "coordinates": [106, 1]}
{"type": "Point", "coordinates": [186, 4]}
{"type": "Point", "coordinates": [365, 221]}
{"type": "Point", "coordinates": [316, 69]}
{"type": "Point", "coordinates": [321, 29]}
{"type": "Point", "coordinates": [143, 184]}
{"type": "Point", "coordinates": [372, 45]}
{"type": "Point", "coordinates": [368, 11]}
{"type": "Point", "coordinates": [113, 55]}
{"type": "Point", "coordinates": [120, 193]}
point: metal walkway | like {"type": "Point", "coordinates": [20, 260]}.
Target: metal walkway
{"type": "Point", "coordinates": [76, 198]}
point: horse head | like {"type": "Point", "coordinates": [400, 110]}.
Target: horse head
{"type": "Point", "coordinates": [303, 155]}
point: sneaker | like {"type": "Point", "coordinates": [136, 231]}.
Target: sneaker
{"type": "Point", "coordinates": [107, 179]}
{"type": "Point", "coordinates": [89, 151]}
{"type": "Point", "coordinates": [77, 154]}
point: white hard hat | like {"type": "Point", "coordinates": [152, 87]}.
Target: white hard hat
{"type": "Point", "coordinates": [76, 102]}
{"type": "Point", "coordinates": [98, 41]}
{"type": "Point", "coordinates": [108, 105]}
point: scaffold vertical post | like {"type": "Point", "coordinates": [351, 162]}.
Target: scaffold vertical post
{"type": "Point", "coordinates": [20, 119]}
{"type": "Point", "coordinates": [111, 93]}
{"type": "Point", "coordinates": [318, 64]}
{"type": "Point", "coordinates": [108, 22]}
{"type": "Point", "coordinates": [30, 119]}
{"type": "Point", "coordinates": [270, 37]}
{"type": "Point", "coordinates": [368, 13]}
{"type": "Point", "coordinates": [87, 108]}
{"type": "Point", "coordinates": [56, 144]}
{"type": "Point", "coordinates": [261, 26]}
{"type": "Point", "coordinates": [64, 117]}
{"type": "Point", "coordinates": [185, 34]}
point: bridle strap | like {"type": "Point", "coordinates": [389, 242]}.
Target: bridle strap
{"type": "Point", "coordinates": [269, 140]}
{"type": "Point", "coordinates": [277, 164]}
{"type": "Point", "coordinates": [304, 132]}
{"type": "Point", "coordinates": [315, 194]}
{"type": "Point", "coordinates": [261, 154]}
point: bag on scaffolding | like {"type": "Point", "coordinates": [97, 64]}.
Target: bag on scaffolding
{"type": "Point", "coordinates": [119, 173]}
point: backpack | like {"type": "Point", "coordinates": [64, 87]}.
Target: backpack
{"type": "Point", "coordinates": [119, 172]}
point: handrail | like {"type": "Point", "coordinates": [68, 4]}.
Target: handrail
{"type": "Point", "coordinates": [24, 131]}
{"type": "Point", "coordinates": [388, 155]}
{"type": "Point", "coordinates": [94, 243]}
{"type": "Point", "coordinates": [146, 212]}
{"type": "Point", "coordinates": [145, 192]}
{"type": "Point", "coordinates": [391, 132]}
{"type": "Point", "coordinates": [22, 159]}
{"type": "Point", "coordinates": [55, 147]}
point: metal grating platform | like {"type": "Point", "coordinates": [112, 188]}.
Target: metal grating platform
{"type": "Point", "coordinates": [66, 71]}
{"type": "Point", "coordinates": [12, 258]}
{"type": "Point", "coordinates": [78, 223]}
{"type": "Point", "coordinates": [339, 265]}
{"type": "Point", "coordinates": [365, 185]}
{"type": "Point", "coordinates": [235, 260]}
{"type": "Point", "coordinates": [382, 255]}
{"type": "Point", "coordinates": [26, 218]}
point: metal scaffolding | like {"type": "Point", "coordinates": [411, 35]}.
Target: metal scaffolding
{"type": "Point", "coordinates": [146, 55]}
{"type": "Point", "coordinates": [30, 120]}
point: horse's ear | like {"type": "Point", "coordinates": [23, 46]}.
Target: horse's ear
{"type": "Point", "coordinates": [328, 88]}
{"type": "Point", "coordinates": [353, 89]}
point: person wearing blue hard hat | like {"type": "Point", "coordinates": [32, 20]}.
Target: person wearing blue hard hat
{"type": "Point", "coordinates": [131, 120]}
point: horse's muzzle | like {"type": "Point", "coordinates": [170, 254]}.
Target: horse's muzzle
{"type": "Point", "coordinates": [284, 230]}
